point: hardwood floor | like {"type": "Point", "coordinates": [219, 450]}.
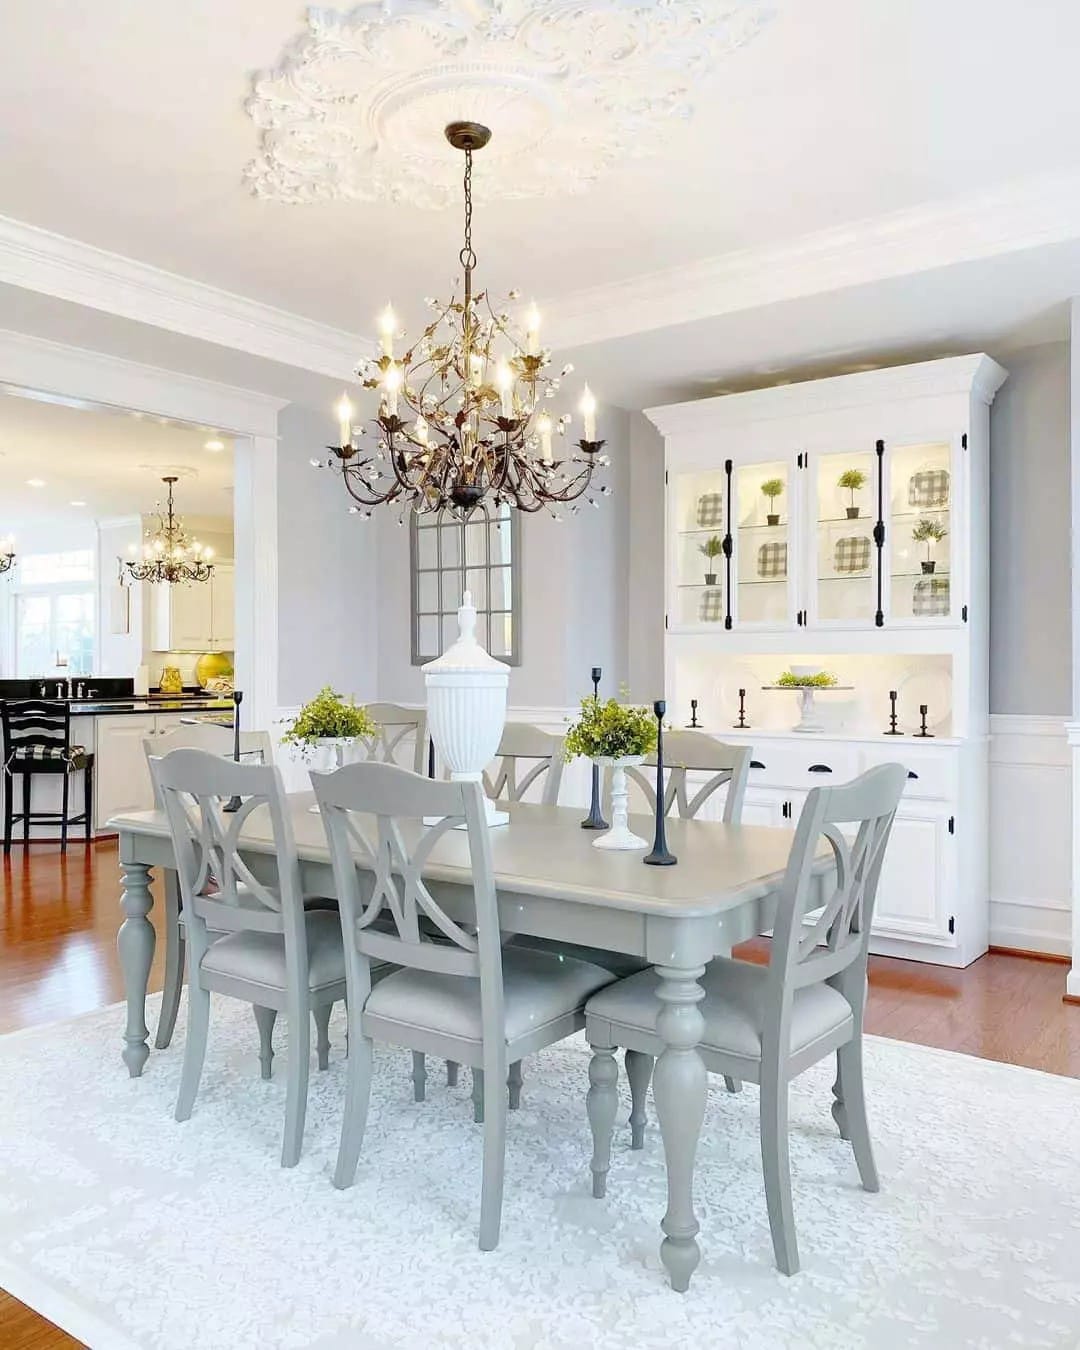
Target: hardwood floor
{"type": "Point", "coordinates": [58, 921]}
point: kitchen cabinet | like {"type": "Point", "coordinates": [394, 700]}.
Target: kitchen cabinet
{"type": "Point", "coordinates": [121, 774]}
{"type": "Point", "coordinates": [198, 617]}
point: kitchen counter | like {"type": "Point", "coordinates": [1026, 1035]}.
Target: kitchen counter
{"type": "Point", "coordinates": [85, 707]}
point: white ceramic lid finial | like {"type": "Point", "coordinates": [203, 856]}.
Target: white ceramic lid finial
{"type": "Point", "coordinates": [466, 617]}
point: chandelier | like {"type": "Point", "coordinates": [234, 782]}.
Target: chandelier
{"type": "Point", "coordinates": [168, 555]}
{"type": "Point", "coordinates": [461, 416]}
{"type": "Point", "coordinates": [7, 554]}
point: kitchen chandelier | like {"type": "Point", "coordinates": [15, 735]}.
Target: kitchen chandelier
{"type": "Point", "coordinates": [461, 417]}
{"type": "Point", "coordinates": [168, 555]}
{"type": "Point", "coordinates": [7, 554]}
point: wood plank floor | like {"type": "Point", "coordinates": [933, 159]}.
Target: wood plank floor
{"type": "Point", "coordinates": [58, 921]}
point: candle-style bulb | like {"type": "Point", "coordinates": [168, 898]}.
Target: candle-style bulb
{"type": "Point", "coordinates": [344, 410]}
{"type": "Point", "coordinates": [391, 387]}
{"type": "Point", "coordinates": [387, 326]}
{"type": "Point", "coordinates": [543, 430]}
{"type": "Point", "coordinates": [504, 382]}
{"type": "Point", "coordinates": [587, 407]}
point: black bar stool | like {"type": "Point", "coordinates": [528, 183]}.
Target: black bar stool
{"type": "Point", "coordinates": [37, 740]}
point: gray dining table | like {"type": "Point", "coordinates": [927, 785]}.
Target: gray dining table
{"type": "Point", "coordinates": [551, 883]}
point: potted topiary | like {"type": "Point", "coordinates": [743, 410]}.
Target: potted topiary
{"type": "Point", "coordinates": [329, 723]}
{"type": "Point", "coordinates": [854, 480]}
{"type": "Point", "coordinates": [772, 488]}
{"type": "Point", "coordinates": [614, 736]}
{"type": "Point", "coordinates": [711, 548]}
{"type": "Point", "coordinates": [929, 532]}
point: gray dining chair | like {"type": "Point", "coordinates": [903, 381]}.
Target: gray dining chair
{"type": "Point", "coordinates": [217, 740]}
{"type": "Point", "coordinates": [271, 952]}
{"type": "Point", "coordinates": [767, 1024]}
{"type": "Point", "coordinates": [693, 752]}
{"type": "Point", "coordinates": [459, 994]}
{"type": "Point", "coordinates": [394, 724]}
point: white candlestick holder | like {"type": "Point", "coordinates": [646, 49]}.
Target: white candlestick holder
{"type": "Point", "coordinates": [620, 836]}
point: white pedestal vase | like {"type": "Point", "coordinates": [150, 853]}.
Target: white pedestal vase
{"type": "Point", "coordinates": [466, 701]}
{"type": "Point", "coordinates": [329, 753]}
{"type": "Point", "coordinates": [620, 836]}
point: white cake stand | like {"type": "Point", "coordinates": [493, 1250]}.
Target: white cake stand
{"type": "Point", "coordinates": [808, 718]}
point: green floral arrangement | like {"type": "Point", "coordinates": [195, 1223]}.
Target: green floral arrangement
{"type": "Point", "coordinates": [611, 730]}
{"type": "Point", "coordinates": [772, 488]}
{"type": "Point", "coordinates": [712, 548]}
{"type": "Point", "coordinates": [327, 717]}
{"type": "Point", "coordinates": [822, 680]}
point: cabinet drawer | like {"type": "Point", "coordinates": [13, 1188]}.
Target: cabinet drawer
{"type": "Point", "coordinates": [818, 764]}
{"type": "Point", "coordinates": [931, 774]}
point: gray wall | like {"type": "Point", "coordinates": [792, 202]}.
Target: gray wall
{"type": "Point", "coordinates": [646, 576]}
{"type": "Point", "coordinates": [1030, 628]}
{"type": "Point", "coordinates": [327, 611]}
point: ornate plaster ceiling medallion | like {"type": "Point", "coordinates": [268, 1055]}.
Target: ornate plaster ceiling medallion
{"type": "Point", "coordinates": [355, 110]}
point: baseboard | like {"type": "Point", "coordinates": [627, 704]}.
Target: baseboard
{"type": "Point", "coordinates": [1055, 958]}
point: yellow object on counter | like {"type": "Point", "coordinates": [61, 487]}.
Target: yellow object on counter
{"type": "Point", "coordinates": [170, 682]}
{"type": "Point", "coordinates": [213, 666]}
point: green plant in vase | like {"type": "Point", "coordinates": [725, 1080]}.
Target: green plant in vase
{"type": "Point", "coordinates": [611, 730]}
{"type": "Point", "coordinates": [852, 480]}
{"type": "Point", "coordinates": [711, 548]}
{"type": "Point", "coordinates": [328, 720]}
{"type": "Point", "coordinates": [928, 532]}
{"type": "Point", "coordinates": [772, 488]}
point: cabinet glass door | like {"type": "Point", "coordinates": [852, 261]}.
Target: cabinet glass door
{"type": "Point", "coordinates": [764, 547]}
{"type": "Point", "coordinates": [845, 557]}
{"type": "Point", "coordinates": [919, 521]}
{"type": "Point", "coordinates": [700, 525]}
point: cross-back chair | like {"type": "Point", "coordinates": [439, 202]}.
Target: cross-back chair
{"type": "Point", "coordinates": [271, 952]}
{"type": "Point", "coordinates": [394, 723]}
{"type": "Point", "coordinates": [458, 993]}
{"type": "Point", "coordinates": [526, 754]}
{"type": "Point", "coordinates": [217, 740]}
{"type": "Point", "coordinates": [694, 752]}
{"type": "Point", "coordinates": [767, 1024]}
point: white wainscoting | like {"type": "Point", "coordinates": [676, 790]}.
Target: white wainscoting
{"type": "Point", "coordinates": [1030, 834]}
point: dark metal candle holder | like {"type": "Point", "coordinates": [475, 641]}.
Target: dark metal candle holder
{"type": "Point", "coordinates": [922, 732]}
{"type": "Point", "coordinates": [430, 758]}
{"type": "Point", "coordinates": [742, 723]}
{"type": "Point", "coordinates": [233, 804]}
{"type": "Point", "coordinates": [892, 731]}
{"type": "Point", "coordinates": [661, 855]}
{"type": "Point", "coordinates": [693, 723]}
{"type": "Point", "coordinates": [595, 820]}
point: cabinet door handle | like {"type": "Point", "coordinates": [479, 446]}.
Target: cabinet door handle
{"type": "Point", "coordinates": [756, 764]}
{"type": "Point", "coordinates": [819, 768]}
{"type": "Point", "coordinates": [912, 774]}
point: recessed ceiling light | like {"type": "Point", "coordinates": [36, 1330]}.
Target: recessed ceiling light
{"type": "Point", "coordinates": [35, 482]}
{"type": "Point", "coordinates": [77, 503]}
{"type": "Point", "coordinates": [214, 446]}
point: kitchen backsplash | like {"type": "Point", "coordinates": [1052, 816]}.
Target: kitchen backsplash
{"type": "Point", "coordinates": [184, 661]}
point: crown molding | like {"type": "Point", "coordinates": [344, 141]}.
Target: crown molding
{"type": "Point", "coordinates": [1028, 213]}
{"type": "Point", "coordinates": [39, 260]}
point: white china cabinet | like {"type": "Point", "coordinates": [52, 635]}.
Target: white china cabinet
{"type": "Point", "coordinates": [842, 525]}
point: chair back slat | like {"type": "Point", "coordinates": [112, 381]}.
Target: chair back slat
{"type": "Point", "coordinates": [209, 736]}
{"type": "Point", "coordinates": [687, 752]}
{"type": "Point", "coordinates": [34, 723]}
{"type": "Point", "coordinates": [815, 941]}
{"type": "Point", "coordinates": [531, 752]}
{"type": "Point", "coordinates": [217, 880]}
{"type": "Point", "coordinates": [394, 724]}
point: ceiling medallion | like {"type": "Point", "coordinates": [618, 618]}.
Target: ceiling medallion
{"type": "Point", "coordinates": [168, 554]}
{"type": "Point", "coordinates": [575, 86]}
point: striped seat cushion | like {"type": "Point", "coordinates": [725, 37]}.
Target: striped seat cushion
{"type": "Point", "coordinates": [75, 755]}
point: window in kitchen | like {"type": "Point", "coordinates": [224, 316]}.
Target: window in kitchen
{"type": "Point", "coordinates": [54, 611]}
{"type": "Point", "coordinates": [449, 557]}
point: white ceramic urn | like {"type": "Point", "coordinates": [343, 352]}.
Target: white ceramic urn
{"type": "Point", "coordinates": [466, 701]}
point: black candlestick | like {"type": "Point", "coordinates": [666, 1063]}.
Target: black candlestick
{"type": "Point", "coordinates": [430, 758]}
{"type": "Point", "coordinates": [742, 723]}
{"type": "Point", "coordinates": [922, 733]}
{"type": "Point", "coordinates": [693, 723]}
{"type": "Point", "coordinates": [233, 804]}
{"type": "Point", "coordinates": [661, 855]}
{"type": "Point", "coordinates": [595, 820]}
{"type": "Point", "coordinates": [892, 731]}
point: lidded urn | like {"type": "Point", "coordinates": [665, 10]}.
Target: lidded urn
{"type": "Point", "coordinates": [466, 702]}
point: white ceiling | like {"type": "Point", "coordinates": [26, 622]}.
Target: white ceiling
{"type": "Point", "coordinates": [112, 461]}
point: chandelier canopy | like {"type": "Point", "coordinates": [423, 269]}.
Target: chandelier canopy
{"type": "Point", "coordinates": [461, 416]}
{"type": "Point", "coordinates": [7, 554]}
{"type": "Point", "coordinates": [168, 554]}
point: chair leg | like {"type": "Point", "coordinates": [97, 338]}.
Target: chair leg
{"type": "Point", "coordinates": [88, 800]}
{"type": "Point", "coordinates": [478, 1096]}
{"type": "Point", "coordinates": [321, 1012]}
{"type": "Point", "coordinates": [296, 1080]}
{"type": "Point", "coordinates": [777, 1169]}
{"type": "Point", "coordinates": [26, 810]}
{"type": "Point", "coordinates": [65, 793]}
{"type": "Point", "coordinates": [602, 1102]}
{"type": "Point", "coordinates": [9, 810]}
{"type": "Point", "coordinates": [513, 1085]}
{"type": "Point", "coordinates": [174, 963]}
{"type": "Point", "coordinates": [451, 1073]}
{"type": "Point", "coordinates": [194, 1045]}
{"type": "Point", "coordinates": [357, 1096]}
{"type": "Point", "coordinates": [732, 1084]}
{"type": "Point", "coordinates": [419, 1076]}
{"type": "Point", "coordinates": [849, 1111]}
{"type": "Point", "coordinates": [639, 1069]}
{"type": "Point", "coordinates": [491, 1190]}
{"type": "Point", "coordinates": [264, 1020]}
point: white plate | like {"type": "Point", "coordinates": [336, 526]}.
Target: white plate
{"type": "Point", "coordinates": [932, 687]}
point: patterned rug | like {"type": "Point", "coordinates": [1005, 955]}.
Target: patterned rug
{"type": "Point", "coordinates": [132, 1231]}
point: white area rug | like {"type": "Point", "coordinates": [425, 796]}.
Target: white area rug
{"type": "Point", "coordinates": [132, 1231]}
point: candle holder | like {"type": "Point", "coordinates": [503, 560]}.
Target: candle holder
{"type": "Point", "coordinates": [661, 855]}
{"type": "Point", "coordinates": [693, 724]}
{"type": "Point", "coordinates": [591, 447]}
{"type": "Point", "coordinates": [922, 733]}
{"type": "Point", "coordinates": [233, 804]}
{"type": "Point", "coordinates": [742, 723]}
{"type": "Point", "coordinates": [595, 819]}
{"type": "Point", "coordinates": [430, 758]}
{"type": "Point", "coordinates": [892, 731]}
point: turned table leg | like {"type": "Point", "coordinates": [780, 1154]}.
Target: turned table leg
{"type": "Point", "coordinates": [679, 1085]}
{"type": "Point", "coordinates": [135, 947]}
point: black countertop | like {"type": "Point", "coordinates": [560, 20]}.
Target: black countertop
{"type": "Point", "coordinates": [140, 707]}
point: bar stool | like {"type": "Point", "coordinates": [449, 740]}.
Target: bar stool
{"type": "Point", "coordinates": [37, 740]}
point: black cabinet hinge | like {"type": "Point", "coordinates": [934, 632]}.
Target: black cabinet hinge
{"type": "Point", "coordinates": [963, 614]}
{"type": "Point", "coordinates": [952, 923]}
{"type": "Point", "coordinates": [952, 824]}
{"type": "Point", "coordinates": [963, 441]}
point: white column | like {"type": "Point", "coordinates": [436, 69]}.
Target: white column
{"type": "Point", "coordinates": [1073, 983]}
{"type": "Point", "coordinates": [255, 546]}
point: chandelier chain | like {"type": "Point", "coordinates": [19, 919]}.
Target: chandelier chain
{"type": "Point", "coordinates": [467, 256]}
